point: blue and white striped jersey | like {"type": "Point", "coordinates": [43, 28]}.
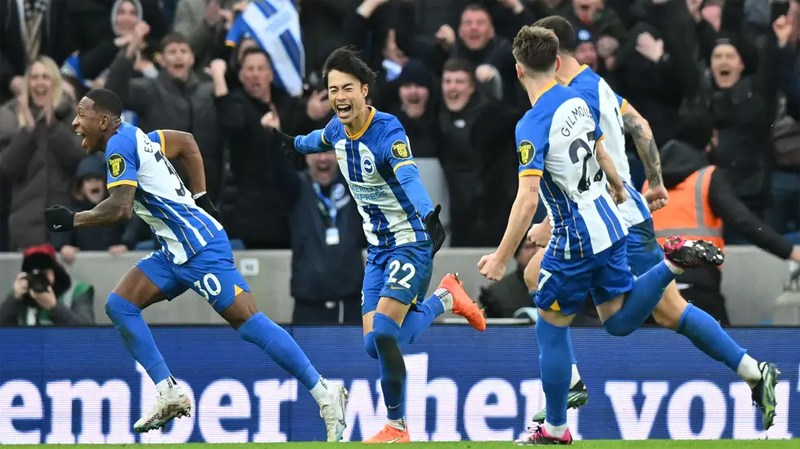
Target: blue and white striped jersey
{"type": "Point", "coordinates": [162, 201]}
{"type": "Point", "coordinates": [556, 139]}
{"type": "Point", "coordinates": [608, 108]}
{"type": "Point", "coordinates": [382, 175]}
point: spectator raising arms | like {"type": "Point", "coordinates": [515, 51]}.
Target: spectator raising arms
{"type": "Point", "coordinates": [39, 151]}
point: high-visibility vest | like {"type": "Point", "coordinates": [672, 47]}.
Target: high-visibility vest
{"type": "Point", "coordinates": [687, 213]}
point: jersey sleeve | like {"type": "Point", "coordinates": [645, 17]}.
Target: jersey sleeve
{"type": "Point", "coordinates": [157, 136]}
{"type": "Point", "coordinates": [395, 149]}
{"type": "Point", "coordinates": [531, 146]}
{"type": "Point", "coordinates": [328, 134]}
{"type": "Point", "coordinates": [623, 104]}
{"type": "Point", "coordinates": [122, 163]}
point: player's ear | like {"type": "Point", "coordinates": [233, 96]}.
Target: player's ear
{"type": "Point", "coordinates": [365, 90]}
{"type": "Point", "coordinates": [558, 63]}
{"type": "Point", "coordinates": [520, 71]}
{"type": "Point", "coordinates": [104, 122]}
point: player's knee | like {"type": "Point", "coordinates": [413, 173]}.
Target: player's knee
{"type": "Point", "coordinates": [386, 331]}
{"type": "Point", "coordinates": [369, 345]}
{"type": "Point", "coordinates": [666, 319]}
{"type": "Point", "coordinates": [254, 329]}
{"type": "Point", "coordinates": [618, 327]}
{"type": "Point", "coordinates": [117, 306]}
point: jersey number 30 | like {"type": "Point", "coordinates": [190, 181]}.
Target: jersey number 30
{"type": "Point", "coordinates": [590, 146]}
{"type": "Point", "coordinates": [180, 191]}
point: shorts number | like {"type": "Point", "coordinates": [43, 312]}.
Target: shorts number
{"type": "Point", "coordinates": [545, 276]}
{"type": "Point", "coordinates": [591, 148]}
{"type": "Point", "coordinates": [159, 158]}
{"type": "Point", "coordinates": [407, 268]}
{"type": "Point", "coordinates": [212, 284]}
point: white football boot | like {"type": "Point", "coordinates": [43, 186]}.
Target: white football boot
{"type": "Point", "coordinates": [332, 409]}
{"type": "Point", "coordinates": [171, 403]}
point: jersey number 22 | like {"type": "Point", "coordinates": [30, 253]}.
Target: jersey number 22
{"type": "Point", "coordinates": [590, 146]}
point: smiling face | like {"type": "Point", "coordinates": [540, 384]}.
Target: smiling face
{"type": "Point", "coordinates": [91, 126]}
{"type": "Point", "coordinates": [322, 167]}
{"type": "Point", "coordinates": [475, 29]}
{"type": "Point", "coordinates": [348, 97]}
{"type": "Point", "coordinates": [40, 83]}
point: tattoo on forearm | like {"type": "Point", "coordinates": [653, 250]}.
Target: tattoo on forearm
{"type": "Point", "coordinates": [646, 147]}
{"type": "Point", "coordinates": [115, 208]}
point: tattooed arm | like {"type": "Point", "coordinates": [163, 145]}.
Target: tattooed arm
{"type": "Point", "coordinates": [636, 125]}
{"type": "Point", "coordinates": [117, 207]}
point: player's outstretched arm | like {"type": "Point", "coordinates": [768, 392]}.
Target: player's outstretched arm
{"type": "Point", "coordinates": [639, 129]}
{"type": "Point", "coordinates": [308, 144]}
{"type": "Point", "coordinates": [182, 146]}
{"type": "Point", "coordinates": [117, 207]}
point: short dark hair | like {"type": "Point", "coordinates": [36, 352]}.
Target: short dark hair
{"type": "Point", "coordinates": [536, 48]}
{"type": "Point", "coordinates": [173, 38]}
{"type": "Point", "coordinates": [346, 60]}
{"type": "Point", "coordinates": [105, 101]}
{"type": "Point", "coordinates": [477, 7]}
{"type": "Point", "coordinates": [563, 30]}
{"type": "Point", "coordinates": [255, 51]}
{"type": "Point", "coordinates": [460, 65]}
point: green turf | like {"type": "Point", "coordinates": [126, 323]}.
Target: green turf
{"type": "Point", "coordinates": [593, 444]}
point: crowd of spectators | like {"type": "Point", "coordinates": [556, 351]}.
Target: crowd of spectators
{"type": "Point", "coordinates": [445, 70]}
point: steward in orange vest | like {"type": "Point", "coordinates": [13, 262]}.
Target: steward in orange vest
{"type": "Point", "coordinates": [700, 203]}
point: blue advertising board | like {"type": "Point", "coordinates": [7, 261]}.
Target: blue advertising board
{"type": "Point", "coordinates": [81, 386]}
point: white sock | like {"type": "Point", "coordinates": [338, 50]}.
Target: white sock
{"type": "Point", "coordinates": [576, 376]}
{"type": "Point", "coordinates": [445, 297]}
{"type": "Point", "coordinates": [166, 385]}
{"type": "Point", "coordinates": [748, 370]}
{"type": "Point", "coordinates": [673, 268]}
{"type": "Point", "coordinates": [555, 431]}
{"type": "Point", "coordinates": [320, 392]}
{"type": "Point", "coordinates": [399, 424]}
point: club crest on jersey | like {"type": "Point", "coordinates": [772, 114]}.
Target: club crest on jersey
{"type": "Point", "coordinates": [367, 166]}
{"type": "Point", "coordinates": [526, 152]}
{"type": "Point", "coordinates": [116, 165]}
{"type": "Point", "coordinates": [400, 150]}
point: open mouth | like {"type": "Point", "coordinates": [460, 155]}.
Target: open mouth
{"type": "Point", "coordinates": [344, 110]}
{"type": "Point", "coordinates": [95, 191]}
{"type": "Point", "coordinates": [179, 66]}
{"type": "Point", "coordinates": [39, 92]}
{"type": "Point", "coordinates": [414, 100]}
{"type": "Point", "coordinates": [83, 139]}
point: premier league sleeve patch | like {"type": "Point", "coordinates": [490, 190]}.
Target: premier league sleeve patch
{"type": "Point", "coordinates": [116, 165]}
{"type": "Point", "coordinates": [526, 151]}
{"type": "Point", "coordinates": [400, 150]}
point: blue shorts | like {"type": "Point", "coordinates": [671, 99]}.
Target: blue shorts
{"type": "Point", "coordinates": [565, 284]}
{"type": "Point", "coordinates": [644, 252]}
{"type": "Point", "coordinates": [402, 273]}
{"type": "Point", "coordinates": [211, 273]}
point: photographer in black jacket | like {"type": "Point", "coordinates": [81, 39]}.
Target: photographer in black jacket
{"type": "Point", "coordinates": [44, 294]}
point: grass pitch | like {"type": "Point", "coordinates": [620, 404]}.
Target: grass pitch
{"type": "Point", "coordinates": [587, 444]}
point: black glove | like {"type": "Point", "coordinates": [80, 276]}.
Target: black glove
{"type": "Point", "coordinates": [59, 219]}
{"type": "Point", "coordinates": [204, 202]}
{"type": "Point", "coordinates": [285, 141]}
{"type": "Point", "coordinates": [435, 229]}
{"type": "Point", "coordinates": [286, 144]}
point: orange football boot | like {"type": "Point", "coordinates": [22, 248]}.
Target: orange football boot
{"type": "Point", "coordinates": [390, 434]}
{"type": "Point", "coordinates": [463, 305]}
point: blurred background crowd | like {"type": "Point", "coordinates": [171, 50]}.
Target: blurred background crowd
{"type": "Point", "coordinates": [722, 76]}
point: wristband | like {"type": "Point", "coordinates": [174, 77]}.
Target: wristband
{"type": "Point", "coordinates": [198, 195]}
